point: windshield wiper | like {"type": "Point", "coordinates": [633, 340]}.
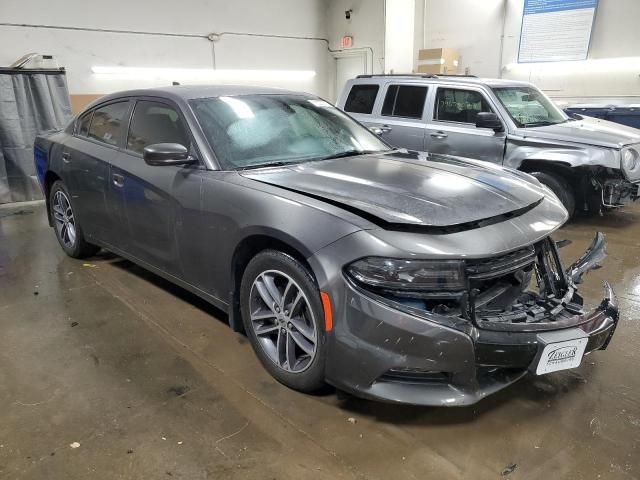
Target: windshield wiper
{"type": "Point", "coordinates": [542, 123]}
{"type": "Point", "coordinates": [352, 153]}
{"type": "Point", "coordinates": [267, 164]}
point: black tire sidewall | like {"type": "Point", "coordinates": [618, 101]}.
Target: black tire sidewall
{"type": "Point", "coordinates": [560, 187]}
{"type": "Point", "coordinates": [311, 379]}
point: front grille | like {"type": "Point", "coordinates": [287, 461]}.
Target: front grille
{"type": "Point", "coordinates": [485, 268]}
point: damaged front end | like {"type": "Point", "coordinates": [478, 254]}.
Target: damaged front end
{"type": "Point", "coordinates": [488, 322]}
{"type": "Point", "coordinates": [523, 291]}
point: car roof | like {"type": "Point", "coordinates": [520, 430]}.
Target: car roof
{"type": "Point", "coordinates": [462, 79]}
{"type": "Point", "coordinates": [190, 92]}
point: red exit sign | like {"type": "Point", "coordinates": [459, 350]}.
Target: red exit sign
{"type": "Point", "coordinates": [346, 42]}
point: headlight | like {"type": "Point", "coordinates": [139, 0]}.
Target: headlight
{"type": "Point", "coordinates": [413, 275]}
{"type": "Point", "coordinates": [630, 162]}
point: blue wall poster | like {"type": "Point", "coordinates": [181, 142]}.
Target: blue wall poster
{"type": "Point", "coordinates": [556, 30]}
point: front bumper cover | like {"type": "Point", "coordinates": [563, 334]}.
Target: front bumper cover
{"type": "Point", "coordinates": [382, 353]}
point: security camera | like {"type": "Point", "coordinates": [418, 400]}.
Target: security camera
{"type": "Point", "coordinates": [347, 13]}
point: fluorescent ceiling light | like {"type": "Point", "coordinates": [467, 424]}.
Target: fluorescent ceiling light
{"type": "Point", "coordinates": [602, 65]}
{"type": "Point", "coordinates": [202, 73]}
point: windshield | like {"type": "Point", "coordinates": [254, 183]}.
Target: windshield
{"type": "Point", "coordinates": [252, 131]}
{"type": "Point", "coordinates": [529, 107]}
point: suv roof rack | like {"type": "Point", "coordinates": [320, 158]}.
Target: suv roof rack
{"type": "Point", "coordinates": [412, 75]}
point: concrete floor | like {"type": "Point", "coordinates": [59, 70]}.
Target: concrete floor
{"type": "Point", "coordinates": [151, 383]}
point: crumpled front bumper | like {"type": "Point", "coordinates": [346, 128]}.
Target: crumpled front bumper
{"type": "Point", "coordinates": [383, 353]}
{"type": "Point", "coordinates": [387, 355]}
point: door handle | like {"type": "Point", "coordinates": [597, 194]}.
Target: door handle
{"type": "Point", "coordinates": [118, 180]}
{"type": "Point", "coordinates": [66, 157]}
{"type": "Point", "coordinates": [439, 135]}
{"type": "Point", "coordinates": [385, 128]}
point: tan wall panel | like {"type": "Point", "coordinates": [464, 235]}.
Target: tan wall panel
{"type": "Point", "coordinates": [78, 102]}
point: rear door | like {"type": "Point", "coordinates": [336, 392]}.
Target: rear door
{"type": "Point", "coordinates": [451, 124]}
{"type": "Point", "coordinates": [86, 157]}
{"type": "Point", "coordinates": [157, 199]}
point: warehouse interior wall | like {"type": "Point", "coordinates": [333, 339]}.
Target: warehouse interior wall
{"type": "Point", "coordinates": [476, 29]}
{"type": "Point", "coordinates": [366, 25]}
{"type": "Point", "coordinates": [175, 38]}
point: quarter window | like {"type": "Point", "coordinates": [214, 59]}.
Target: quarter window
{"type": "Point", "coordinates": [106, 124]}
{"type": "Point", "coordinates": [361, 99]}
{"type": "Point", "coordinates": [155, 122]}
{"type": "Point", "coordinates": [405, 101]}
{"type": "Point", "coordinates": [462, 106]}
{"type": "Point", "coordinates": [83, 124]}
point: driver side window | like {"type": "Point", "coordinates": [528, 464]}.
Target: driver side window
{"type": "Point", "coordinates": [460, 106]}
{"type": "Point", "coordinates": [155, 122]}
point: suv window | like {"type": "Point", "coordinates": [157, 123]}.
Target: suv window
{"type": "Point", "coordinates": [462, 106]}
{"type": "Point", "coordinates": [82, 128]}
{"type": "Point", "coordinates": [155, 122]}
{"type": "Point", "coordinates": [361, 98]}
{"type": "Point", "coordinates": [106, 123]}
{"type": "Point", "coordinates": [404, 101]}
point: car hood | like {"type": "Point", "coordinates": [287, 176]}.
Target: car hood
{"type": "Point", "coordinates": [590, 131]}
{"type": "Point", "coordinates": [411, 189]}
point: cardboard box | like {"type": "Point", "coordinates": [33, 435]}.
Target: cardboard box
{"type": "Point", "coordinates": [443, 61]}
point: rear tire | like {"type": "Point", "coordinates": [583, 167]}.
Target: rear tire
{"type": "Point", "coordinates": [560, 187]}
{"type": "Point", "coordinates": [286, 334]}
{"type": "Point", "coordinates": [68, 230]}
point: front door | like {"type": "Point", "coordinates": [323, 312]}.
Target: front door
{"type": "Point", "coordinates": [451, 125]}
{"type": "Point", "coordinates": [156, 198]}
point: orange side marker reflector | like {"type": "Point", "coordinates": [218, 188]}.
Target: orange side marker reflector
{"type": "Point", "coordinates": [326, 305]}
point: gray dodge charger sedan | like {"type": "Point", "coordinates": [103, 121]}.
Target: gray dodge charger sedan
{"type": "Point", "coordinates": [395, 275]}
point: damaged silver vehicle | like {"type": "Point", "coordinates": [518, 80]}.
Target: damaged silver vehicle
{"type": "Point", "coordinates": [590, 164]}
{"type": "Point", "coordinates": [397, 276]}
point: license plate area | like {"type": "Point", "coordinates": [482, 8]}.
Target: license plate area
{"type": "Point", "coordinates": [561, 350]}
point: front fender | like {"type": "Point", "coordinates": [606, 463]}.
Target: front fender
{"type": "Point", "coordinates": [521, 150]}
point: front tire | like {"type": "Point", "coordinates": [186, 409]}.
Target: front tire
{"type": "Point", "coordinates": [68, 230]}
{"type": "Point", "coordinates": [560, 187]}
{"type": "Point", "coordinates": [282, 315]}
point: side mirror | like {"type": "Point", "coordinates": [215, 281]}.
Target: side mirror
{"type": "Point", "coordinates": [489, 120]}
{"type": "Point", "coordinates": [376, 130]}
{"type": "Point", "coordinates": [160, 154]}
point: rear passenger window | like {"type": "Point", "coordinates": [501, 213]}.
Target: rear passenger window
{"type": "Point", "coordinates": [462, 106]}
{"type": "Point", "coordinates": [405, 101]}
{"type": "Point", "coordinates": [82, 128]}
{"type": "Point", "coordinates": [361, 99]}
{"type": "Point", "coordinates": [106, 124]}
{"type": "Point", "coordinates": [155, 122]}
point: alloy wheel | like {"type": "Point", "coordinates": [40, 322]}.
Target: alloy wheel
{"type": "Point", "coordinates": [64, 219]}
{"type": "Point", "coordinates": [283, 321]}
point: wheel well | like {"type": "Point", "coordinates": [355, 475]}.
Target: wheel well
{"type": "Point", "coordinates": [49, 179]}
{"type": "Point", "coordinates": [561, 169]}
{"type": "Point", "coordinates": [244, 252]}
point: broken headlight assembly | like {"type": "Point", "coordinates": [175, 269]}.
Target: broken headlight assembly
{"type": "Point", "coordinates": [630, 161]}
{"type": "Point", "coordinates": [525, 286]}
{"type": "Point", "coordinates": [414, 276]}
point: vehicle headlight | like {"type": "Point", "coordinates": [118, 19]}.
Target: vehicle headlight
{"type": "Point", "coordinates": [630, 161]}
{"type": "Point", "coordinates": [408, 275]}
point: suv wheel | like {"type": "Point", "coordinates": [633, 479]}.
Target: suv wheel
{"type": "Point", "coordinates": [560, 187]}
{"type": "Point", "coordinates": [68, 230]}
{"type": "Point", "coordinates": [282, 315]}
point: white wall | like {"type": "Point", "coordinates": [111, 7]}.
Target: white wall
{"type": "Point", "coordinates": [399, 38]}
{"type": "Point", "coordinates": [79, 50]}
{"type": "Point", "coordinates": [366, 26]}
{"type": "Point", "coordinates": [474, 28]}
